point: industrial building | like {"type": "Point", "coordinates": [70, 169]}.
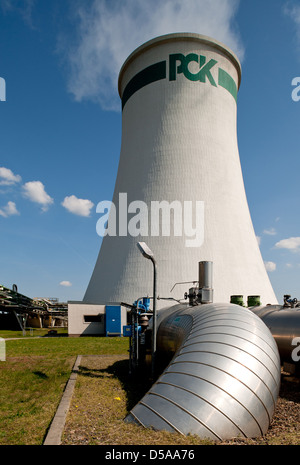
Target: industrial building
{"type": "Point", "coordinates": [18, 311]}
{"type": "Point", "coordinates": [96, 320]}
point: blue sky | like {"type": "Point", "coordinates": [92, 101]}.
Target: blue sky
{"type": "Point", "coordinates": [61, 127]}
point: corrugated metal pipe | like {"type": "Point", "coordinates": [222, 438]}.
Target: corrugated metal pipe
{"type": "Point", "coordinates": [222, 377]}
{"type": "Point", "coordinates": [284, 324]}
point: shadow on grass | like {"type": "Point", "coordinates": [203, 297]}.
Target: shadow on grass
{"type": "Point", "coordinates": [40, 374]}
{"type": "Point", "coordinates": [135, 385]}
{"type": "Point", "coordinates": [52, 335]}
{"type": "Point", "coordinates": [290, 388]}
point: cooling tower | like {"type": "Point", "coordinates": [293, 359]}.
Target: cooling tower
{"type": "Point", "coordinates": [179, 185]}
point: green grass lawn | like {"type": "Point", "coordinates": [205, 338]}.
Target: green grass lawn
{"type": "Point", "coordinates": [31, 332]}
{"type": "Point", "coordinates": [33, 378]}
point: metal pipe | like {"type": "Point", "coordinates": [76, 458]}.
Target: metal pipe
{"type": "Point", "coordinates": [284, 324]}
{"type": "Point", "coordinates": [147, 253]}
{"type": "Point", "coordinates": [205, 274]}
{"type": "Point", "coordinates": [154, 331]}
{"type": "Point", "coordinates": [205, 277]}
{"type": "Point", "coordinates": [222, 377]}
{"type": "Point", "coordinates": [137, 330]}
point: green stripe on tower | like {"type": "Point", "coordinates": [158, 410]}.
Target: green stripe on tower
{"type": "Point", "coordinates": [158, 71]}
{"type": "Point", "coordinates": [226, 81]}
{"type": "Point", "coordinates": [148, 75]}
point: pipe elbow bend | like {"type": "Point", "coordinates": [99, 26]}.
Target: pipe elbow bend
{"type": "Point", "coordinates": [223, 380]}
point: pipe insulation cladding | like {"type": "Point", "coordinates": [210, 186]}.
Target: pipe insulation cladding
{"type": "Point", "coordinates": [284, 324]}
{"type": "Point", "coordinates": [223, 380]}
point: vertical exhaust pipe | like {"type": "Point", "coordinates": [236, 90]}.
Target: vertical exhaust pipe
{"type": "Point", "coordinates": [205, 278]}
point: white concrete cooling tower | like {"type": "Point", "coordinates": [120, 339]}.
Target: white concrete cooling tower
{"type": "Point", "coordinates": [179, 144]}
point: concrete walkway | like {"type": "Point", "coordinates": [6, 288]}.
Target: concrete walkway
{"type": "Point", "coordinates": [54, 435]}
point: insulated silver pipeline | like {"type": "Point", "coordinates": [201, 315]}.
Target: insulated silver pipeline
{"type": "Point", "coordinates": [284, 324]}
{"type": "Point", "coordinates": [223, 376]}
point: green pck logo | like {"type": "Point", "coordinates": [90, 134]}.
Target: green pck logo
{"type": "Point", "coordinates": [179, 64]}
{"type": "Point", "coordinates": [183, 67]}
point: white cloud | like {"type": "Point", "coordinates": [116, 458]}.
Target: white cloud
{"type": "Point", "coordinates": [23, 7]}
{"type": "Point", "coordinates": [292, 10]}
{"type": "Point", "coordinates": [292, 243]}
{"type": "Point", "coordinates": [9, 210]}
{"type": "Point", "coordinates": [107, 32]}
{"type": "Point", "coordinates": [270, 266]}
{"type": "Point", "coordinates": [7, 177]}
{"type": "Point", "coordinates": [81, 207]}
{"type": "Point", "coordinates": [65, 283]}
{"type": "Point", "coordinates": [270, 232]}
{"type": "Point", "coordinates": [35, 191]}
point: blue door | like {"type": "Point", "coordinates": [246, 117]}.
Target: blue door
{"type": "Point", "coordinates": [113, 320]}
